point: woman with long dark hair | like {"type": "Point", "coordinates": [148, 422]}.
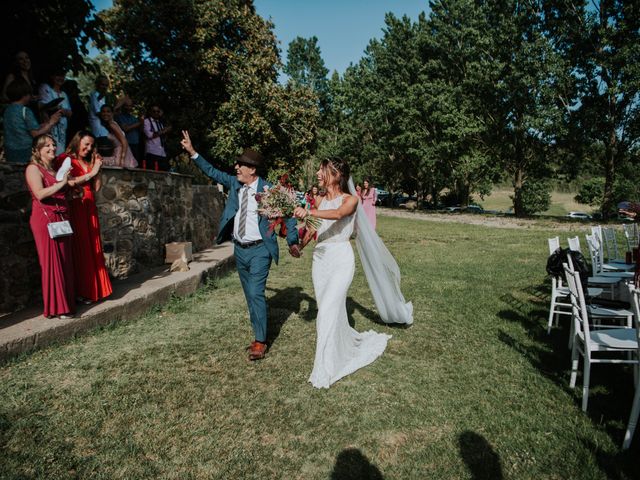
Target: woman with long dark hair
{"type": "Point", "coordinates": [340, 350]}
{"type": "Point", "coordinates": [91, 276]}
{"type": "Point", "coordinates": [369, 196]}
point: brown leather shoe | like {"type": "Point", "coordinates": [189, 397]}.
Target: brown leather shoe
{"type": "Point", "coordinates": [257, 351]}
{"type": "Point", "coordinates": [251, 345]}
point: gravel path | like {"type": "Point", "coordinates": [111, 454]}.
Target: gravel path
{"type": "Point", "coordinates": [486, 220]}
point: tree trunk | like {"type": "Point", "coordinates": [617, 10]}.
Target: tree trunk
{"type": "Point", "coordinates": [609, 176]}
{"type": "Point", "coordinates": [518, 180]}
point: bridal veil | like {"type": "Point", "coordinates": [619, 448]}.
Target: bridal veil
{"type": "Point", "coordinates": [381, 271]}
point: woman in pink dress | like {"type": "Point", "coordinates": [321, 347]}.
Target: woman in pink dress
{"type": "Point", "coordinates": [122, 155]}
{"type": "Point", "coordinates": [369, 197]}
{"type": "Point", "coordinates": [50, 205]}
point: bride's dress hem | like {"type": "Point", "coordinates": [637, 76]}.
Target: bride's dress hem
{"type": "Point", "coordinates": [373, 344]}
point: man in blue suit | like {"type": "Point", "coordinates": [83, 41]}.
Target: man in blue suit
{"type": "Point", "coordinates": [255, 245]}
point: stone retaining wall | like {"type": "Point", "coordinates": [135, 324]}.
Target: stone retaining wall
{"type": "Point", "coordinates": [139, 211]}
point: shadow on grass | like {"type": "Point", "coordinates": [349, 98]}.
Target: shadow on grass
{"type": "Point", "coordinates": [351, 464]}
{"type": "Point", "coordinates": [611, 386]}
{"type": "Point", "coordinates": [621, 465]}
{"type": "Point", "coordinates": [284, 303]}
{"type": "Point", "coordinates": [479, 456]}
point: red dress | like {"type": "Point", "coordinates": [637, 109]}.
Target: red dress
{"type": "Point", "coordinates": [55, 255]}
{"type": "Point", "coordinates": [91, 276]}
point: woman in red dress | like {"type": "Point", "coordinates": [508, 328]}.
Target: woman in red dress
{"type": "Point", "coordinates": [91, 276]}
{"type": "Point", "coordinates": [50, 205]}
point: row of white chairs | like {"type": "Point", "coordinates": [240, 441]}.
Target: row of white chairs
{"type": "Point", "coordinates": [613, 344]}
{"type": "Point", "coordinates": [598, 335]}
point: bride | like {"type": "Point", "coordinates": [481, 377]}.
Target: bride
{"type": "Point", "coordinates": [340, 350]}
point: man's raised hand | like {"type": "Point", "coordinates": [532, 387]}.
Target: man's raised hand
{"type": "Point", "coordinates": [186, 143]}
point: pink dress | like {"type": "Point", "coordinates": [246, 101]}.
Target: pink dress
{"type": "Point", "coordinates": [56, 262]}
{"type": "Point", "coordinates": [369, 200]}
{"type": "Point", "coordinates": [129, 160]}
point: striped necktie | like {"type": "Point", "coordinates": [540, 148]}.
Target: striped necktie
{"type": "Point", "coordinates": [242, 222]}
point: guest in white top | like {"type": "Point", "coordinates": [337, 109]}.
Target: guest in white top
{"type": "Point", "coordinates": [49, 92]}
{"type": "Point", "coordinates": [155, 134]}
{"type": "Point", "coordinates": [97, 99]}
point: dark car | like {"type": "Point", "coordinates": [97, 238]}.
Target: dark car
{"type": "Point", "coordinates": [383, 196]}
{"type": "Point", "coordinates": [474, 209]}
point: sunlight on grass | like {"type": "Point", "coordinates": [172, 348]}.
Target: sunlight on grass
{"type": "Point", "coordinates": [561, 202]}
{"type": "Point", "coordinates": [474, 389]}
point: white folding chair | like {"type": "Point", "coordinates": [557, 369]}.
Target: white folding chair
{"type": "Point", "coordinates": [558, 292]}
{"type": "Point", "coordinates": [587, 341]}
{"type": "Point", "coordinates": [630, 231]}
{"type": "Point", "coordinates": [635, 406]}
{"type": "Point", "coordinates": [602, 281]}
{"type": "Point", "coordinates": [613, 264]}
{"type": "Point", "coordinates": [574, 243]}
{"type": "Point", "coordinates": [601, 269]}
{"type": "Point", "coordinates": [611, 245]}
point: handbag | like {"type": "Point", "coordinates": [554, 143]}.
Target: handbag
{"type": "Point", "coordinates": [59, 229]}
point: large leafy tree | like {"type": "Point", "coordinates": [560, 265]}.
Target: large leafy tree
{"type": "Point", "coordinates": [213, 66]}
{"type": "Point", "coordinates": [453, 85]}
{"type": "Point", "coordinates": [55, 33]}
{"type": "Point", "coordinates": [305, 67]}
{"type": "Point", "coordinates": [523, 107]}
{"type": "Point", "coordinates": [602, 40]}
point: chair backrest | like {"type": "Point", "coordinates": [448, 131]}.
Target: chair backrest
{"type": "Point", "coordinates": [610, 243]}
{"type": "Point", "coordinates": [631, 235]}
{"type": "Point", "coordinates": [595, 253]}
{"type": "Point", "coordinates": [635, 305]}
{"type": "Point", "coordinates": [574, 243]}
{"type": "Point", "coordinates": [554, 244]}
{"type": "Point", "coordinates": [579, 310]}
{"type": "Point", "coordinates": [597, 231]}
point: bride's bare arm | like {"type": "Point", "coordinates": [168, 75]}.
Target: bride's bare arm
{"type": "Point", "coordinates": [347, 208]}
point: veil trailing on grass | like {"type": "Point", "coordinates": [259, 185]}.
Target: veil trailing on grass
{"type": "Point", "coordinates": [381, 270]}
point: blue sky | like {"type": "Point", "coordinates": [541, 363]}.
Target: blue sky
{"type": "Point", "coordinates": [343, 28]}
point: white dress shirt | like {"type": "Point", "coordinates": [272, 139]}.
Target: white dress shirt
{"type": "Point", "coordinates": [251, 231]}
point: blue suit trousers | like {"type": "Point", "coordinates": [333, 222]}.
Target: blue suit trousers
{"type": "Point", "coordinates": [253, 265]}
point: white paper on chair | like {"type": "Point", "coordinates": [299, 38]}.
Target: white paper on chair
{"type": "Point", "coordinates": [66, 166]}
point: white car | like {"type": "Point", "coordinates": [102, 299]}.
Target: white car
{"type": "Point", "coordinates": [579, 215]}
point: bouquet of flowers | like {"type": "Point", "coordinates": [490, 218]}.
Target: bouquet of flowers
{"type": "Point", "coordinates": [279, 202]}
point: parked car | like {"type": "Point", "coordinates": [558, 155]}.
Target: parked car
{"type": "Point", "coordinates": [399, 200]}
{"type": "Point", "coordinates": [474, 209]}
{"type": "Point", "coordinates": [455, 208]}
{"type": "Point", "coordinates": [579, 215]}
{"type": "Point", "coordinates": [383, 195]}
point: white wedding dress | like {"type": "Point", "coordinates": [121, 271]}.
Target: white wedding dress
{"type": "Point", "coordinates": [340, 350]}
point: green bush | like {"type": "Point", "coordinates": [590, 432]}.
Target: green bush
{"type": "Point", "coordinates": [591, 192]}
{"type": "Point", "coordinates": [535, 196]}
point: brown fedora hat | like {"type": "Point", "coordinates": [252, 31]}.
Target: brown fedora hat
{"type": "Point", "coordinates": [251, 158]}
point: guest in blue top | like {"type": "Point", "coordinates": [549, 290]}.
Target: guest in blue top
{"type": "Point", "coordinates": [131, 126]}
{"type": "Point", "coordinates": [20, 124]}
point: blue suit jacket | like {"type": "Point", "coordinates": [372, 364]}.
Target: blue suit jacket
{"type": "Point", "coordinates": [225, 230]}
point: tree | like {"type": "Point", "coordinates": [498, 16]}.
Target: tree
{"type": "Point", "coordinates": [523, 107]}
{"type": "Point", "coordinates": [305, 67]}
{"type": "Point", "coordinates": [213, 67]}
{"type": "Point", "coordinates": [604, 45]}
{"type": "Point", "coordinates": [55, 33]}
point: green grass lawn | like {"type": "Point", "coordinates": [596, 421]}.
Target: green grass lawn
{"type": "Point", "coordinates": [561, 202]}
{"type": "Point", "coordinates": [474, 389]}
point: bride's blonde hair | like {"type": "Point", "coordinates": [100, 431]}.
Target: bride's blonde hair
{"type": "Point", "coordinates": [337, 167]}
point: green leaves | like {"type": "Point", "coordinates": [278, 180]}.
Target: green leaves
{"type": "Point", "coordinates": [213, 67]}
